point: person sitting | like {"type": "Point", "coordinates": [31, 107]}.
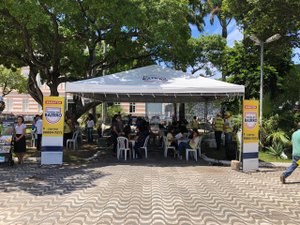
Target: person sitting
{"type": "Point", "coordinates": [141, 135]}
{"type": "Point", "coordinates": [127, 131]}
{"type": "Point", "coordinates": [171, 139]}
{"type": "Point", "coordinates": [192, 144]}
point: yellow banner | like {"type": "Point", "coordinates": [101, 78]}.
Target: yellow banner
{"type": "Point", "coordinates": [250, 121]}
{"type": "Point", "coordinates": [53, 116]}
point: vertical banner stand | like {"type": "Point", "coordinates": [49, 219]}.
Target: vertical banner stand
{"type": "Point", "coordinates": [53, 130]}
{"type": "Point", "coordinates": [250, 136]}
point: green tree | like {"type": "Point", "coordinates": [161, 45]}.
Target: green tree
{"type": "Point", "coordinates": [243, 68]}
{"type": "Point", "coordinates": [267, 17]}
{"type": "Point", "coordinates": [69, 40]}
{"type": "Point", "coordinates": [205, 52]}
{"type": "Point", "coordinates": [11, 80]}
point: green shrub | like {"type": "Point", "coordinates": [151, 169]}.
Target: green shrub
{"type": "Point", "coordinates": [278, 136]}
{"type": "Point", "coordinates": [276, 149]}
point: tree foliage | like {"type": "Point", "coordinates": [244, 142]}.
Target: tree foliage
{"type": "Point", "coordinates": [11, 80]}
{"type": "Point", "coordinates": [65, 40]}
{"type": "Point", "coordinates": [243, 68]}
{"type": "Point", "coordinates": [264, 18]}
{"type": "Point", "coordinates": [205, 53]}
{"type": "Point", "coordinates": [267, 17]}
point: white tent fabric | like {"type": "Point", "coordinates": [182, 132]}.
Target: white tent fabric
{"type": "Point", "coordinates": [153, 84]}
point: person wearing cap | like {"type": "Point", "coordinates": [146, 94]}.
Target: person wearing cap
{"type": "Point", "coordinates": [228, 129]}
{"type": "Point", "coordinates": [218, 125]}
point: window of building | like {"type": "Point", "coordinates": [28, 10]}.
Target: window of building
{"type": "Point", "coordinates": [132, 107]}
{"type": "Point", "coordinates": [9, 105]}
{"type": "Point", "coordinates": [25, 105]}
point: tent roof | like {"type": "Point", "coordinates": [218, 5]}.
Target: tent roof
{"type": "Point", "coordinates": [153, 84]}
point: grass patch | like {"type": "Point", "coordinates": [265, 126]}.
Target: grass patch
{"type": "Point", "coordinates": [263, 156]}
{"type": "Point", "coordinates": [77, 156]}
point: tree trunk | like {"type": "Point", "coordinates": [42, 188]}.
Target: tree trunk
{"type": "Point", "coordinates": [53, 90]}
{"type": "Point", "coordinates": [77, 109]}
{"type": "Point", "coordinates": [224, 31]}
{"type": "Point", "coordinates": [33, 87]}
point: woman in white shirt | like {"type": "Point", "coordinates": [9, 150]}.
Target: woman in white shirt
{"type": "Point", "coordinates": [20, 139]}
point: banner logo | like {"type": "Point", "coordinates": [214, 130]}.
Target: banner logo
{"type": "Point", "coordinates": [53, 114]}
{"type": "Point", "coordinates": [250, 120]}
{"type": "Point", "coordinates": [154, 79]}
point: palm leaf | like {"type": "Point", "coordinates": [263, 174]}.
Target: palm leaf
{"type": "Point", "coordinates": [278, 136]}
{"type": "Point", "coordinates": [276, 149]}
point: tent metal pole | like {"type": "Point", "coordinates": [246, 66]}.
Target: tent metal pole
{"type": "Point", "coordinates": [66, 100]}
{"type": "Point", "coordinates": [205, 110]}
{"type": "Point", "coordinates": [242, 142]}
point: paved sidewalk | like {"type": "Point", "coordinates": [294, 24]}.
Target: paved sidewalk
{"type": "Point", "coordinates": [146, 193]}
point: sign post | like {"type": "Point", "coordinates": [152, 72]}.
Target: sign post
{"type": "Point", "coordinates": [53, 130]}
{"type": "Point", "coordinates": [250, 135]}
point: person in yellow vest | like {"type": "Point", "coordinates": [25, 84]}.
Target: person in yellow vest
{"type": "Point", "coordinates": [218, 126]}
{"type": "Point", "coordinates": [228, 129]}
{"type": "Point", "coordinates": [194, 124]}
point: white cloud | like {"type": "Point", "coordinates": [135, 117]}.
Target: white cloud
{"type": "Point", "coordinates": [234, 34]}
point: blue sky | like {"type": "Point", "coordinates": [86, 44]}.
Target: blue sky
{"type": "Point", "coordinates": [234, 34]}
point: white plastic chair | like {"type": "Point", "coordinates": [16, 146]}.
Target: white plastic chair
{"type": "Point", "coordinates": [167, 147]}
{"type": "Point", "coordinates": [196, 151]}
{"type": "Point", "coordinates": [145, 146]}
{"type": "Point", "coordinates": [73, 141]}
{"type": "Point", "coordinates": [199, 146]}
{"type": "Point", "coordinates": [188, 151]}
{"type": "Point", "coordinates": [123, 146]}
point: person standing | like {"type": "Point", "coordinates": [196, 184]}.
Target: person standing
{"type": "Point", "coordinates": [218, 125]}
{"type": "Point", "coordinates": [129, 122]}
{"type": "Point", "coordinates": [116, 131]}
{"type": "Point", "coordinates": [295, 153]}
{"type": "Point", "coordinates": [228, 129]}
{"type": "Point", "coordinates": [39, 132]}
{"type": "Point", "coordinates": [68, 128]}
{"type": "Point", "coordinates": [20, 139]}
{"type": "Point", "coordinates": [90, 128]}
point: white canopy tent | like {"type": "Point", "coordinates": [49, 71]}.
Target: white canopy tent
{"type": "Point", "coordinates": [153, 84]}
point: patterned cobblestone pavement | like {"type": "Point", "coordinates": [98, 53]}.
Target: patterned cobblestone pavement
{"type": "Point", "coordinates": [186, 193]}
